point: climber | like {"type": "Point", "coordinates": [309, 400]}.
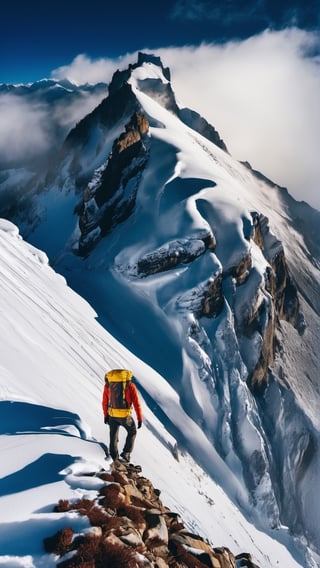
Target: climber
{"type": "Point", "coordinates": [119, 394]}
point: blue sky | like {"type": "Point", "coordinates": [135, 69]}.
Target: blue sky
{"type": "Point", "coordinates": [37, 37]}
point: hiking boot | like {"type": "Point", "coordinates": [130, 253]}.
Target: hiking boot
{"type": "Point", "coordinates": [125, 456]}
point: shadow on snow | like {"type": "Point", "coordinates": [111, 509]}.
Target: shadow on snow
{"type": "Point", "coordinates": [27, 418]}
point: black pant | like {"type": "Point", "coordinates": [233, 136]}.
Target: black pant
{"type": "Point", "coordinates": [129, 424]}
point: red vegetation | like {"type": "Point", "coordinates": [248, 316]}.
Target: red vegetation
{"type": "Point", "coordinates": [59, 543]}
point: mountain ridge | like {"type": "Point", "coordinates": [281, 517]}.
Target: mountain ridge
{"type": "Point", "coordinates": [227, 302]}
{"type": "Point", "coordinates": [131, 526]}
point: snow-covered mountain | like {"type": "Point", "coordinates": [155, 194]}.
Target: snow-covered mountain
{"type": "Point", "coordinates": [54, 354]}
{"type": "Point", "coordinates": [209, 274]}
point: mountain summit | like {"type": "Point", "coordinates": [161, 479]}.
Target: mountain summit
{"type": "Point", "coordinates": [206, 271]}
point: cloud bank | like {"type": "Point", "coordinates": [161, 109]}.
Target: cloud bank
{"type": "Point", "coordinates": [260, 93]}
{"type": "Point", "coordinates": [262, 96]}
{"type": "Point", "coordinates": [85, 70]}
{"type": "Point", "coordinates": [23, 132]}
{"type": "Point", "coordinates": [30, 129]}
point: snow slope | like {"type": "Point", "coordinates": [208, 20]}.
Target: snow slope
{"type": "Point", "coordinates": [191, 187]}
{"type": "Point", "coordinates": [54, 354]}
{"type": "Point", "coordinates": [258, 454]}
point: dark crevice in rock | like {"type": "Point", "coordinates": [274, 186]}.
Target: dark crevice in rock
{"type": "Point", "coordinates": [113, 197]}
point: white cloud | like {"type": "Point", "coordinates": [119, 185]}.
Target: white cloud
{"type": "Point", "coordinates": [85, 70]}
{"type": "Point", "coordinates": [23, 131]}
{"type": "Point", "coordinates": [68, 113]}
{"type": "Point", "coordinates": [262, 96]}
{"type": "Point", "coordinates": [28, 128]}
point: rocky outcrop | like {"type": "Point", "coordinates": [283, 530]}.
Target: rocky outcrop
{"type": "Point", "coordinates": [240, 271]}
{"type": "Point", "coordinates": [277, 299]}
{"type": "Point", "coordinates": [127, 158]}
{"type": "Point", "coordinates": [131, 528]}
{"type": "Point", "coordinates": [278, 280]}
{"type": "Point", "coordinates": [172, 253]}
{"type": "Point", "coordinates": [213, 298]}
{"type": "Point", "coordinates": [116, 107]}
{"type": "Point", "coordinates": [195, 121]}
{"type": "Point", "coordinates": [121, 77]}
{"type": "Point", "coordinates": [110, 196]}
{"type": "Point", "coordinates": [206, 299]}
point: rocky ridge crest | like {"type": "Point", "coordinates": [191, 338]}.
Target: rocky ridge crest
{"type": "Point", "coordinates": [131, 528]}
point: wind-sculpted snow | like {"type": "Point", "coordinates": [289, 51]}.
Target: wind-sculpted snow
{"type": "Point", "coordinates": [199, 278]}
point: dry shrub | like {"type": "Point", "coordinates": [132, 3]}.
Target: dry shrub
{"type": "Point", "coordinates": [113, 555]}
{"type": "Point", "coordinates": [111, 496]}
{"type": "Point", "coordinates": [81, 505]}
{"type": "Point", "coordinates": [98, 517]}
{"type": "Point", "coordinates": [112, 488]}
{"type": "Point", "coordinates": [132, 513]}
{"type": "Point", "coordinates": [106, 522]}
{"type": "Point", "coordinates": [87, 547]}
{"type": "Point", "coordinates": [156, 542]}
{"type": "Point", "coordinates": [59, 543]}
{"type": "Point", "coordinates": [112, 525]}
{"type": "Point", "coordinates": [63, 506]}
{"type": "Point", "coordinates": [84, 506]}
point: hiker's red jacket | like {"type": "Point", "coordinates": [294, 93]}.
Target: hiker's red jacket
{"type": "Point", "coordinates": [132, 398]}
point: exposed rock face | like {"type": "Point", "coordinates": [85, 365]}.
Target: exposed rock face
{"type": "Point", "coordinates": [213, 299]}
{"type": "Point", "coordinates": [117, 107]}
{"type": "Point", "coordinates": [198, 123]}
{"type": "Point", "coordinates": [282, 302]}
{"type": "Point", "coordinates": [126, 149]}
{"type": "Point", "coordinates": [279, 281]}
{"type": "Point", "coordinates": [174, 253]}
{"type": "Point", "coordinates": [110, 196]}
{"type": "Point", "coordinates": [132, 528]}
{"type": "Point", "coordinates": [206, 299]}
{"type": "Point", "coordinates": [240, 272]}
{"type": "Point", "coordinates": [121, 77]}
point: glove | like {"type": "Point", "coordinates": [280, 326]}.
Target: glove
{"type": "Point", "coordinates": [106, 419]}
{"type": "Point", "coordinates": [139, 423]}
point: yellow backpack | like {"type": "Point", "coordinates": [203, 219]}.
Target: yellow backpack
{"type": "Point", "coordinates": [118, 380]}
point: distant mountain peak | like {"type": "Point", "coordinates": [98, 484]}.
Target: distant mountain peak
{"type": "Point", "coordinates": [156, 60]}
{"type": "Point", "coordinates": [121, 77]}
